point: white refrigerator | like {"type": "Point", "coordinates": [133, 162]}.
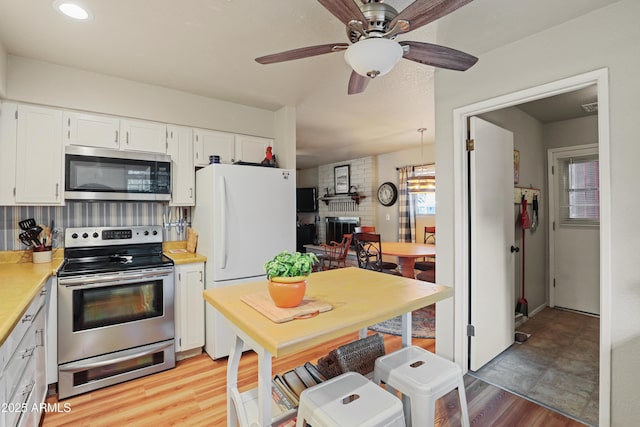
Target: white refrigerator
{"type": "Point", "coordinates": [244, 216]}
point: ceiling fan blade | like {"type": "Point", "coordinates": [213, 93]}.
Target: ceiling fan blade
{"type": "Point", "coordinates": [357, 83]}
{"type": "Point", "coordinates": [302, 52]}
{"type": "Point", "coordinates": [422, 12]}
{"type": "Point", "coordinates": [344, 10]}
{"type": "Point", "coordinates": [438, 56]}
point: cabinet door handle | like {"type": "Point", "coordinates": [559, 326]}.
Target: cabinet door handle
{"type": "Point", "coordinates": [116, 141]}
{"type": "Point", "coordinates": [27, 318]}
{"type": "Point", "coordinates": [40, 335]}
{"type": "Point", "coordinates": [57, 190]}
{"type": "Point", "coordinates": [201, 277]}
{"type": "Point", "coordinates": [191, 193]}
{"type": "Point", "coordinates": [127, 137]}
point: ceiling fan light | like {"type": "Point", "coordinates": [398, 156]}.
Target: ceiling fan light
{"type": "Point", "coordinates": [374, 56]}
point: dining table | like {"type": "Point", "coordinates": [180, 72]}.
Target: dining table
{"type": "Point", "coordinates": [358, 298]}
{"type": "Point", "coordinates": [407, 253]}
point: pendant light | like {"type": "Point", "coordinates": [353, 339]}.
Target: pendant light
{"type": "Point", "coordinates": [423, 179]}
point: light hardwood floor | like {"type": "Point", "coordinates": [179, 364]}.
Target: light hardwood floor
{"type": "Point", "coordinates": [193, 394]}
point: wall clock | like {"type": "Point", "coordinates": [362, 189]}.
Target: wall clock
{"type": "Point", "coordinates": [387, 194]}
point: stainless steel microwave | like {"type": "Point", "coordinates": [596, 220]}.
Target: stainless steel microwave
{"type": "Point", "coordinates": [102, 174]}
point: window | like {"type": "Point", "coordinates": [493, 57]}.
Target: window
{"type": "Point", "coordinates": [425, 203]}
{"type": "Point", "coordinates": [579, 191]}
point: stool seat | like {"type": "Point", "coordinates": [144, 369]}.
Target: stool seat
{"type": "Point", "coordinates": [349, 400]}
{"type": "Point", "coordinates": [423, 377]}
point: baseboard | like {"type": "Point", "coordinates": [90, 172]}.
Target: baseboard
{"type": "Point", "coordinates": [520, 318]}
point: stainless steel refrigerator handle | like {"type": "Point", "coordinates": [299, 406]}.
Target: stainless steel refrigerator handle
{"type": "Point", "coordinates": [81, 366]}
{"type": "Point", "coordinates": [223, 222]}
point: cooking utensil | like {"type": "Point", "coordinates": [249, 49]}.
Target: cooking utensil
{"type": "Point", "coordinates": [26, 224]}
{"type": "Point", "coordinates": [25, 239]}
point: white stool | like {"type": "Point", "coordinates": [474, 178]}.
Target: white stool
{"type": "Point", "coordinates": [423, 377]}
{"type": "Point", "coordinates": [349, 400]}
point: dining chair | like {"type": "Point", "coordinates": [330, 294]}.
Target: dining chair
{"type": "Point", "coordinates": [429, 263]}
{"type": "Point", "coordinates": [335, 254]}
{"type": "Point", "coordinates": [369, 253]}
{"type": "Point", "coordinates": [364, 229]}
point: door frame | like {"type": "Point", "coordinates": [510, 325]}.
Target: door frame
{"type": "Point", "coordinates": [461, 257]}
{"type": "Point", "coordinates": [553, 154]}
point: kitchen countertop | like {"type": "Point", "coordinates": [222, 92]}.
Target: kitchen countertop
{"type": "Point", "coordinates": [20, 281]}
{"type": "Point", "coordinates": [181, 257]}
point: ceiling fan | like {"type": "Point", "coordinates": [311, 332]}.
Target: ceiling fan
{"type": "Point", "coordinates": [372, 28]}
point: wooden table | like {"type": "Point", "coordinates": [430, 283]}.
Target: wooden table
{"type": "Point", "coordinates": [360, 298]}
{"type": "Point", "coordinates": [407, 253]}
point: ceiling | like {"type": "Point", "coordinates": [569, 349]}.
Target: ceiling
{"type": "Point", "coordinates": [207, 47]}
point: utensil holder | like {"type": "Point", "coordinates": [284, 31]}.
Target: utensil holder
{"type": "Point", "coordinates": [41, 256]}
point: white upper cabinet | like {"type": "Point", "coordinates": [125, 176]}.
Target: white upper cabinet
{"type": "Point", "coordinates": [91, 130]}
{"type": "Point", "coordinates": [213, 143]}
{"type": "Point", "coordinates": [39, 156]}
{"type": "Point", "coordinates": [8, 132]}
{"type": "Point", "coordinates": [251, 148]}
{"type": "Point", "coordinates": [180, 148]}
{"type": "Point", "coordinates": [139, 135]}
{"type": "Point", "coordinates": [94, 130]}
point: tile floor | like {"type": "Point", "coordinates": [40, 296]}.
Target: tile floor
{"type": "Point", "coordinates": [557, 366]}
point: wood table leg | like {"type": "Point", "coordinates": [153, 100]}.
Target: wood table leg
{"type": "Point", "coordinates": [406, 266]}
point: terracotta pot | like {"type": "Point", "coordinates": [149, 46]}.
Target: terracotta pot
{"type": "Point", "coordinates": [287, 292]}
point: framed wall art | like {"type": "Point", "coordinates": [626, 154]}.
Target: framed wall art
{"type": "Point", "coordinates": [341, 179]}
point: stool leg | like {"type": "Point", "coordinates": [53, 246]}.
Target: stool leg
{"type": "Point", "coordinates": [423, 414]}
{"type": "Point", "coordinates": [462, 396]}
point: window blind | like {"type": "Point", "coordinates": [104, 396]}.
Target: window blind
{"type": "Point", "coordinates": [580, 191]}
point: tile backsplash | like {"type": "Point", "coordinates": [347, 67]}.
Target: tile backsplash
{"type": "Point", "coordinates": [85, 214]}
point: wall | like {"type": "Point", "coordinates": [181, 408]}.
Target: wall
{"type": "Point", "coordinates": [82, 214]}
{"type": "Point", "coordinates": [528, 139]}
{"type": "Point", "coordinates": [48, 84]}
{"type": "Point", "coordinates": [363, 175]}
{"type": "Point", "coordinates": [608, 37]}
{"type": "Point", "coordinates": [566, 133]}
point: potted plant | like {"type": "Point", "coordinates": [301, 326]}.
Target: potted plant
{"type": "Point", "coordinates": [287, 273]}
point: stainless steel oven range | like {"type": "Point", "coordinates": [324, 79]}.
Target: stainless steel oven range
{"type": "Point", "coordinates": [115, 307]}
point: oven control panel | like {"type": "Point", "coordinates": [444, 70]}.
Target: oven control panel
{"type": "Point", "coordinates": [107, 236]}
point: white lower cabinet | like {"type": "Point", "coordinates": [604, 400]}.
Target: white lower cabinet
{"type": "Point", "coordinates": [189, 306]}
{"type": "Point", "coordinates": [24, 382]}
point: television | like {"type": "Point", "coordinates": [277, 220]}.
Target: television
{"type": "Point", "coordinates": [307, 199]}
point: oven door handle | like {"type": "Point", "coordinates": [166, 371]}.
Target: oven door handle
{"type": "Point", "coordinates": [91, 282]}
{"type": "Point", "coordinates": [83, 365]}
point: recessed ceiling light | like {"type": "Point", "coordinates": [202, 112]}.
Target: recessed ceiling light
{"type": "Point", "coordinates": [72, 10]}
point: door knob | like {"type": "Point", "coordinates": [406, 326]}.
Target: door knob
{"type": "Point", "coordinates": [515, 249]}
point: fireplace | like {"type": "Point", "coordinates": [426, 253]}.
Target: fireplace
{"type": "Point", "coordinates": [337, 226]}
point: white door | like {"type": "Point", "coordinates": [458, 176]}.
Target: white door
{"type": "Point", "coordinates": [575, 230]}
{"type": "Point", "coordinates": [492, 235]}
